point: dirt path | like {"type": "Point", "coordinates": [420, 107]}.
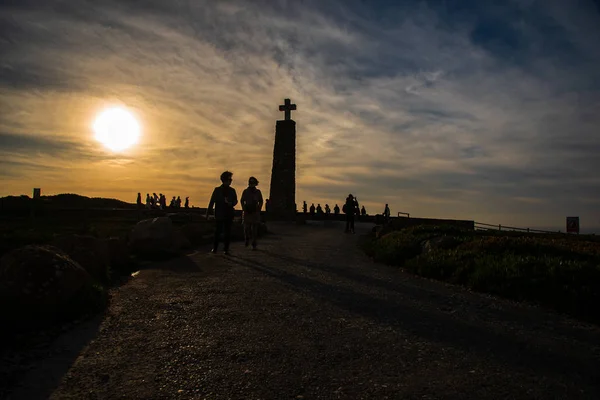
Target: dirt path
{"type": "Point", "coordinates": [308, 316]}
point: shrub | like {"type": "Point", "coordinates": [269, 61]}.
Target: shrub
{"type": "Point", "coordinates": [495, 245]}
{"type": "Point", "coordinates": [450, 265]}
{"type": "Point", "coordinates": [91, 299]}
{"type": "Point", "coordinates": [554, 271]}
{"type": "Point", "coordinates": [395, 248]}
{"type": "Point", "coordinates": [438, 230]}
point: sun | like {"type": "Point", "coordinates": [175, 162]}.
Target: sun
{"type": "Point", "coordinates": [117, 129]}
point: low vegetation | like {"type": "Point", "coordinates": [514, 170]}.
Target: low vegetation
{"type": "Point", "coordinates": [98, 239]}
{"type": "Point", "coordinates": [557, 271]}
{"type": "Point", "coordinates": [48, 228]}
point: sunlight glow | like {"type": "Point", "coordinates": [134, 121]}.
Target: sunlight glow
{"type": "Point", "coordinates": [117, 129]}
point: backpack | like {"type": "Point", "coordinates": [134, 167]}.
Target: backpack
{"type": "Point", "coordinates": [251, 205]}
{"type": "Point", "coordinates": [348, 208]}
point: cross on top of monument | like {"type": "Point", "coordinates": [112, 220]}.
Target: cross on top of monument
{"type": "Point", "coordinates": [287, 107]}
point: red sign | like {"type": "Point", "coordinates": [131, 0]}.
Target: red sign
{"type": "Point", "coordinates": [572, 224]}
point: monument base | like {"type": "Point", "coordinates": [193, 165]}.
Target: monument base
{"type": "Point", "coordinates": [282, 197]}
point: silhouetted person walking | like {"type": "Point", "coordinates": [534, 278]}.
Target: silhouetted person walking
{"type": "Point", "coordinates": [187, 202]}
{"type": "Point", "coordinates": [363, 211]}
{"type": "Point", "coordinates": [336, 210]}
{"type": "Point", "coordinates": [327, 209]}
{"type": "Point", "coordinates": [304, 207]}
{"type": "Point", "coordinates": [349, 209]}
{"type": "Point", "coordinates": [312, 210]}
{"type": "Point", "coordinates": [139, 200]}
{"type": "Point", "coordinates": [386, 214]}
{"type": "Point", "coordinates": [251, 202]}
{"type": "Point", "coordinates": [224, 199]}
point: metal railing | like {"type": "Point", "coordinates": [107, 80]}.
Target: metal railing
{"type": "Point", "coordinates": [481, 226]}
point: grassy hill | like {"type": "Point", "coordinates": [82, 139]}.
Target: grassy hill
{"type": "Point", "coordinates": [65, 200]}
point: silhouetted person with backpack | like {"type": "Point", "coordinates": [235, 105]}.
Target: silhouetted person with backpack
{"type": "Point", "coordinates": [251, 202]}
{"type": "Point", "coordinates": [224, 199]}
{"type": "Point", "coordinates": [349, 209]}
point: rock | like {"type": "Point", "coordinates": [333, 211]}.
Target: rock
{"type": "Point", "coordinates": [180, 241]}
{"type": "Point", "coordinates": [155, 236]}
{"type": "Point", "coordinates": [198, 233]}
{"type": "Point", "coordinates": [36, 281]}
{"type": "Point", "coordinates": [439, 242]}
{"type": "Point", "coordinates": [91, 253]}
{"type": "Point", "coordinates": [118, 254]}
{"type": "Point", "coordinates": [180, 216]}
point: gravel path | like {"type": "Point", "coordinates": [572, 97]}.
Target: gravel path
{"type": "Point", "coordinates": [308, 316]}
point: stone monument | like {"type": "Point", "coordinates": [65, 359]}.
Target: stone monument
{"type": "Point", "coordinates": [282, 197]}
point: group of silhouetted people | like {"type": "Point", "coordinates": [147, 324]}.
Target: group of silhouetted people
{"type": "Point", "coordinates": [318, 211]}
{"type": "Point", "coordinates": [350, 208]}
{"type": "Point", "coordinates": [223, 200]}
{"type": "Point", "coordinates": [159, 202]}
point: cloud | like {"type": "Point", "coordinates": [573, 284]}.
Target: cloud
{"type": "Point", "coordinates": [480, 111]}
{"type": "Point", "coordinates": [32, 143]}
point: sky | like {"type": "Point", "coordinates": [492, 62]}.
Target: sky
{"type": "Point", "coordinates": [478, 110]}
